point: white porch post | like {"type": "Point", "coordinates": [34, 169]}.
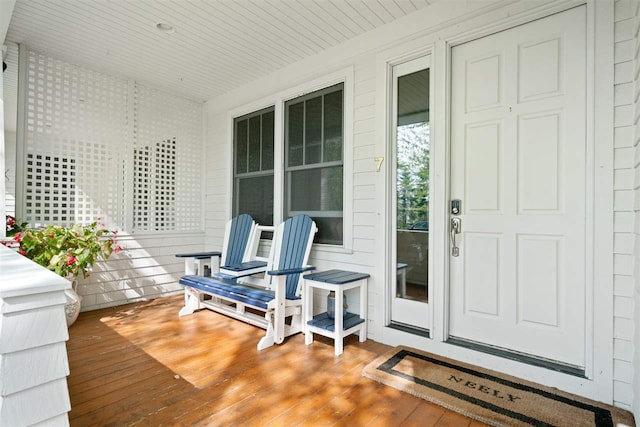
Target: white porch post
{"type": "Point", "coordinates": [6, 10]}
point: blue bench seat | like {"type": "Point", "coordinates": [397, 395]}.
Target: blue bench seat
{"type": "Point", "coordinates": [233, 290]}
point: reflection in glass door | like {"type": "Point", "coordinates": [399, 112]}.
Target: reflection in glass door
{"type": "Point", "coordinates": [410, 222]}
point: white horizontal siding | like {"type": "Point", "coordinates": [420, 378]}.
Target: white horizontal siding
{"type": "Point", "coordinates": [623, 285]}
{"type": "Point", "coordinates": [624, 197]}
{"type": "Point", "coordinates": [623, 243]}
{"type": "Point", "coordinates": [628, 297]}
{"type": "Point", "coordinates": [146, 268]}
{"type": "Point", "coordinates": [622, 135]}
{"type": "Point", "coordinates": [623, 179]}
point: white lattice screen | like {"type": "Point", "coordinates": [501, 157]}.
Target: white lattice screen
{"type": "Point", "coordinates": [168, 156]}
{"type": "Point", "coordinates": [76, 131]}
{"type": "Point", "coordinates": [77, 151]}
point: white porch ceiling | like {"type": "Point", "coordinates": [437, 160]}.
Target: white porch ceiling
{"type": "Point", "coordinates": [217, 45]}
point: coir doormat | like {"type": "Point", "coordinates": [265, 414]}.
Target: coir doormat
{"type": "Point", "coordinates": [488, 396]}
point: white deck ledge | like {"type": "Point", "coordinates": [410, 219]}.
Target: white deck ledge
{"type": "Point", "coordinates": [33, 331]}
{"type": "Point", "coordinates": [20, 276]}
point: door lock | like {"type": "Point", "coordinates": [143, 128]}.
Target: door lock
{"type": "Point", "coordinates": [455, 207]}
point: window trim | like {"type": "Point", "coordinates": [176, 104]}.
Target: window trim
{"type": "Point", "coordinates": [278, 99]}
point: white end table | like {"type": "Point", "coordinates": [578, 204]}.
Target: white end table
{"type": "Point", "coordinates": [342, 324]}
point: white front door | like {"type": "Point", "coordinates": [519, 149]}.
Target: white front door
{"type": "Point", "coordinates": [518, 150]}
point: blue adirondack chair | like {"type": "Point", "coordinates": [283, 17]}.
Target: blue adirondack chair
{"type": "Point", "coordinates": [238, 254]}
{"type": "Point", "coordinates": [238, 247]}
{"type": "Point", "coordinates": [277, 294]}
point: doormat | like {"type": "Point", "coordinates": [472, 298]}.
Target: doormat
{"type": "Point", "coordinates": [488, 396]}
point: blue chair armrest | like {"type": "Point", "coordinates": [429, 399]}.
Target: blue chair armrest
{"type": "Point", "coordinates": [290, 271]}
{"type": "Point", "coordinates": [199, 255]}
{"type": "Point", "coordinates": [248, 268]}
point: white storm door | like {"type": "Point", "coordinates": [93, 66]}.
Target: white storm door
{"type": "Point", "coordinates": [518, 145]}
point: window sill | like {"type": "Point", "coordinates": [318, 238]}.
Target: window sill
{"type": "Point", "coordinates": [320, 247]}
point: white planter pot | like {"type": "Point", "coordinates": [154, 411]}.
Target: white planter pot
{"type": "Point", "coordinates": [72, 306]}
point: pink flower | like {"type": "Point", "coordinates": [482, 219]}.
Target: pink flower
{"type": "Point", "coordinates": [71, 259]}
{"type": "Point", "coordinates": [11, 221]}
{"type": "Point", "coordinates": [17, 237]}
{"type": "Point", "coordinates": [117, 249]}
{"type": "Point", "coordinates": [22, 252]}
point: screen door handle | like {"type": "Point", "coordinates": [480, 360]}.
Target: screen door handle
{"type": "Point", "coordinates": [456, 227]}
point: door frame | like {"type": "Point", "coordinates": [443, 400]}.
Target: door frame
{"type": "Point", "coordinates": [598, 383]}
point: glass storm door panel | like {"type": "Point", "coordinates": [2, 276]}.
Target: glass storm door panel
{"type": "Point", "coordinates": [410, 188]}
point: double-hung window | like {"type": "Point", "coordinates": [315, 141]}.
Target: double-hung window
{"type": "Point", "coordinates": [314, 138]}
{"type": "Point", "coordinates": [253, 165]}
{"type": "Point", "coordinates": [313, 175]}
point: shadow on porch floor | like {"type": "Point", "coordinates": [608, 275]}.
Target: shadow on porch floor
{"type": "Point", "coordinates": [140, 364]}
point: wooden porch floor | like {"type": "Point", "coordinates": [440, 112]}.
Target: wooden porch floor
{"type": "Point", "coordinates": [141, 365]}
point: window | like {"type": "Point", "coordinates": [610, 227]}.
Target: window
{"type": "Point", "coordinates": [314, 160]}
{"type": "Point", "coordinates": [313, 175]}
{"type": "Point", "coordinates": [253, 165]}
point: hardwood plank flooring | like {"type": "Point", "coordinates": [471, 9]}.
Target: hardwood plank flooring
{"type": "Point", "coordinates": [141, 365]}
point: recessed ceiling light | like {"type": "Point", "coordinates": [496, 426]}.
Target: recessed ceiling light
{"type": "Point", "coordinates": [165, 28]}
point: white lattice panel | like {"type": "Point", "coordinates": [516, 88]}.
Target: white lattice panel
{"type": "Point", "coordinates": [77, 153]}
{"type": "Point", "coordinates": [142, 190]}
{"type": "Point", "coordinates": [75, 138]}
{"type": "Point", "coordinates": [167, 159]}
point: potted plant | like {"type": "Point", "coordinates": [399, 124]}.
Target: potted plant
{"type": "Point", "coordinates": [69, 252]}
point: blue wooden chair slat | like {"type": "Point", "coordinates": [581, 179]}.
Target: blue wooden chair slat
{"type": "Point", "coordinates": [294, 245]}
{"type": "Point", "coordinates": [238, 239]}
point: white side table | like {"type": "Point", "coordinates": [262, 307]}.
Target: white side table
{"type": "Point", "coordinates": [341, 325]}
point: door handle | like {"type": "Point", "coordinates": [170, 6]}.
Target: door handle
{"type": "Point", "coordinates": [456, 227]}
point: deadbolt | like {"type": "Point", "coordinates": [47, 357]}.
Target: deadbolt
{"type": "Point", "coordinates": [456, 207]}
